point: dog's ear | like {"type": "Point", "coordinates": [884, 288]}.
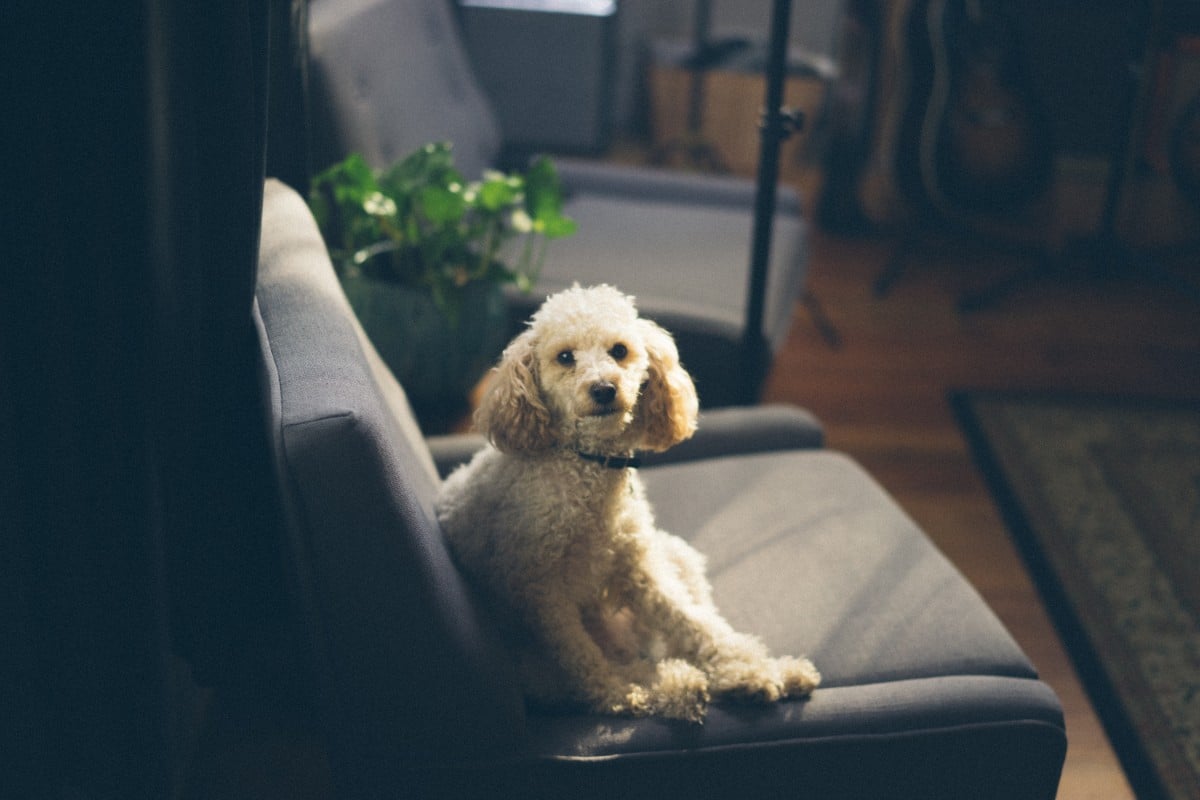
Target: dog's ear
{"type": "Point", "coordinates": [668, 406]}
{"type": "Point", "coordinates": [512, 413]}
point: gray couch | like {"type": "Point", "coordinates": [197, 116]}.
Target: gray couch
{"type": "Point", "coordinates": [924, 695]}
{"type": "Point", "coordinates": [387, 76]}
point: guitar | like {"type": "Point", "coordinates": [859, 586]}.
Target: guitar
{"type": "Point", "coordinates": [974, 139]}
{"type": "Point", "coordinates": [933, 112]}
{"type": "Point", "coordinates": [849, 116]}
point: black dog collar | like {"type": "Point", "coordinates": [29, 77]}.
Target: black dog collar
{"type": "Point", "coordinates": [611, 462]}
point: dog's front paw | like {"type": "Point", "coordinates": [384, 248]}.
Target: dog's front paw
{"type": "Point", "coordinates": [623, 698]}
{"type": "Point", "coordinates": [755, 682]}
{"type": "Point", "coordinates": [632, 700]}
{"type": "Point", "coordinates": [799, 676]}
{"type": "Point", "coordinates": [680, 691]}
{"type": "Point", "coordinates": [767, 680]}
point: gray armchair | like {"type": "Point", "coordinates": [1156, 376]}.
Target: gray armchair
{"type": "Point", "coordinates": [209, 458]}
{"type": "Point", "coordinates": [390, 75]}
{"type": "Point", "coordinates": [924, 693]}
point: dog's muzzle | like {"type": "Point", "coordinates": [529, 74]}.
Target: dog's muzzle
{"type": "Point", "coordinates": [603, 394]}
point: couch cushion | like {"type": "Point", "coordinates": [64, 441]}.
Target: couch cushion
{"type": "Point", "coordinates": [924, 693]}
{"type": "Point", "coordinates": [584, 176]}
{"type": "Point", "coordinates": [386, 608]}
{"type": "Point", "coordinates": [823, 562]}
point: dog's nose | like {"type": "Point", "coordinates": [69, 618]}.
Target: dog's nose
{"type": "Point", "coordinates": [603, 393]}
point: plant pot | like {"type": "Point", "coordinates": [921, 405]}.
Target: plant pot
{"type": "Point", "coordinates": [436, 362]}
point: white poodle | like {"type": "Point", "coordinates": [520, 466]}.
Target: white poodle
{"type": "Point", "coordinates": [552, 520]}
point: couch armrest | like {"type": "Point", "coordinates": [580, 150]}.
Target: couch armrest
{"type": "Point", "coordinates": [665, 185]}
{"type": "Point", "coordinates": [451, 450]}
{"type": "Point", "coordinates": [722, 432]}
{"type": "Point", "coordinates": [746, 430]}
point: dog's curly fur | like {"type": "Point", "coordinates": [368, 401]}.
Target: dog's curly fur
{"type": "Point", "coordinates": [620, 615]}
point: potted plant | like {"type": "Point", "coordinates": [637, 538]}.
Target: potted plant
{"type": "Point", "coordinates": [424, 255]}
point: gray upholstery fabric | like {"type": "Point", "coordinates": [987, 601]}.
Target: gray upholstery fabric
{"type": "Point", "coordinates": [381, 69]}
{"type": "Point", "coordinates": [599, 177]}
{"type": "Point", "coordinates": [293, 260]}
{"type": "Point", "coordinates": [925, 694]}
{"type": "Point", "coordinates": [386, 607]}
{"type": "Point", "coordinates": [389, 76]}
{"type": "Point", "coordinates": [897, 610]}
{"type": "Point", "coordinates": [751, 429]}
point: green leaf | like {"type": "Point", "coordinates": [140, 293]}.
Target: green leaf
{"type": "Point", "coordinates": [496, 193]}
{"type": "Point", "coordinates": [349, 182]}
{"type": "Point", "coordinates": [543, 193]}
{"type": "Point", "coordinates": [557, 227]}
{"type": "Point", "coordinates": [432, 164]}
{"type": "Point", "coordinates": [442, 206]}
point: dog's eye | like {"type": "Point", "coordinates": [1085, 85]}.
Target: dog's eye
{"type": "Point", "coordinates": [619, 352]}
{"type": "Point", "coordinates": [566, 358]}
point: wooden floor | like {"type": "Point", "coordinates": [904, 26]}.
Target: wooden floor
{"type": "Point", "coordinates": [881, 394]}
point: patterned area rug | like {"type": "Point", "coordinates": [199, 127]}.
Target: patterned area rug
{"type": "Point", "coordinates": [1103, 496]}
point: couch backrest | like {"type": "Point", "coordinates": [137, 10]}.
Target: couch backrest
{"type": "Point", "coordinates": [406, 664]}
{"type": "Point", "coordinates": [388, 76]}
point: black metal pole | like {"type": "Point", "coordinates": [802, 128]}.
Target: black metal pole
{"type": "Point", "coordinates": [699, 65]}
{"type": "Point", "coordinates": [776, 126]}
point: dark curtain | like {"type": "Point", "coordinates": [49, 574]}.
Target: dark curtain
{"type": "Point", "coordinates": [136, 520]}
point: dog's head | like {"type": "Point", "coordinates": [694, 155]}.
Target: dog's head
{"type": "Point", "coordinates": [589, 373]}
